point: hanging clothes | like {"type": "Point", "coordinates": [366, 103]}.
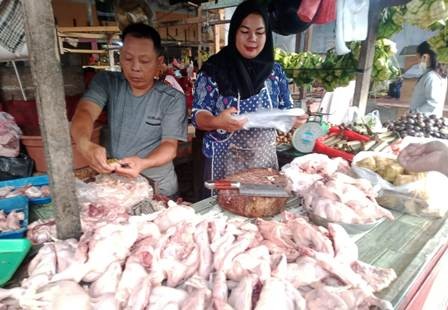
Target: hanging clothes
{"type": "Point", "coordinates": [308, 9]}
{"type": "Point", "coordinates": [326, 12]}
{"type": "Point", "coordinates": [351, 23]}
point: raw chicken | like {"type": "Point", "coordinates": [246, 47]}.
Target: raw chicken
{"type": "Point", "coordinates": [174, 215]}
{"type": "Point", "coordinates": [41, 231]}
{"type": "Point", "coordinates": [241, 296]}
{"type": "Point", "coordinates": [274, 296]}
{"type": "Point", "coordinates": [133, 274]}
{"type": "Point", "coordinates": [306, 235]}
{"type": "Point", "coordinates": [62, 295]}
{"type": "Point", "coordinates": [105, 302]}
{"type": "Point", "coordinates": [11, 221]}
{"type": "Point", "coordinates": [139, 298]}
{"type": "Point", "coordinates": [276, 232]}
{"type": "Point", "coordinates": [5, 190]}
{"type": "Point", "coordinates": [41, 268]}
{"type": "Point", "coordinates": [329, 297]}
{"type": "Point", "coordinates": [201, 238]}
{"type": "Point", "coordinates": [33, 192]}
{"type": "Point", "coordinates": [255, 261]}
{"type": "Point", "coordinates": [242, 243]}
{"type": "Point", "coordinates": [193, 264]}
{"type": "Point", "coordinates": [345, 248]}
{"type": "Point", "coordinates": [341, 269]}
{"type": "Point", "coordinates": [199, 295]}
{"type": "Point", "coordinates": [163, 297]}
{"type": "Point", "coordinates": [304, 272]}
{"type": "Point", "coordinates": [378, 278]}
{"type": "Point", "coordinates": [110, 243]}
{"type": "Point", "coordinates": [107, 282]}
{"type": "Point", "coordinates": [65, 253]}
{"type": "Point", "coordinates": [330, 193]}
{"type": "Point", "coordinates": [220, 290]}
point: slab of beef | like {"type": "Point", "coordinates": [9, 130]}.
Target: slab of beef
{"type": "Point", "coordinates": [253, 206]}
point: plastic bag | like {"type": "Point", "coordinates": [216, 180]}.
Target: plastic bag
{"type": "Point", "coordinates": [308, 9]}
{"type": "Point", "coordinates": [16, 167]}
{"type": "Point", "coordinates": [284, 19]}
{"type": "Point", "coordinates": [9, 136]}
{"type": "Point", "coordinates": [326, 12]}
{"type": "Point", "coordinates": [282, 120]}
{"type": "Point", "coordinates": [424, 197]}
{"type": "Point", "coordinates": [373, 120]}
{"type": "Point", "coordinates": [114, 189]}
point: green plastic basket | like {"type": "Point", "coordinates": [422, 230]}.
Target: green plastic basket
{"type": "Point", "coordinates": [12, 253]}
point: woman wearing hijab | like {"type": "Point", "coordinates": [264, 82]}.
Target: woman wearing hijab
{"type": "Point", "coordinates": [241, 78]}
{"type": "Point", "coordinates": [430, 91]}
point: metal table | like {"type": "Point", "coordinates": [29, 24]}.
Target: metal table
{"type": "Point", "coordinates": [410, 245]}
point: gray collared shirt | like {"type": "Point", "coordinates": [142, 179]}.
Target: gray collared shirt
{"type": "Point", "coordinates": [138, 124]}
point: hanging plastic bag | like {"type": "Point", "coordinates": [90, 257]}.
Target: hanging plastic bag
{"type": "Point", "coordinates": [284, 19]}
{"type": "Point", "coordinates": [326, 12]}
{"type": "Point", "coordinates": [308, 9]}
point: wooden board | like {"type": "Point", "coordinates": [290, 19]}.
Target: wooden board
{"type": "Point", "coordinates": [407, 245]}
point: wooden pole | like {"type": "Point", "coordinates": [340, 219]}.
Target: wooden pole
{"type": "Point", "coordinates": [47, 77]}
{"type": "Point", "coordinates": [366, 59]}
{"type": "Point", "coordinates": [367, 53]}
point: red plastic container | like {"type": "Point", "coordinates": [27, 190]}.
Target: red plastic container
{"type": "Point", "coordinates": [320, 147]}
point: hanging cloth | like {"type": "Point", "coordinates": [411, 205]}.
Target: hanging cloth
{"type": "Point", "coordinates": [308, 9]}
{"type": "Point", "coordinates": [351, 23]}
{"type": "Point", "coordinates": [326, 13]}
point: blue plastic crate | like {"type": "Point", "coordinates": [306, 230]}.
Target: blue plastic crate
{"type": "Point", "coordinates": [40, 180]}
{"type": "Point", "coordinates": [19, 204]}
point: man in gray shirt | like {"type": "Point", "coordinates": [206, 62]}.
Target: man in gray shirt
{"type": "Point", "coordinates": [146, 118]}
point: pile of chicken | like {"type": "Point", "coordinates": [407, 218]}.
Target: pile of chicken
{"type": "Point", "coordinates": [330, 192]}
{"type": "Point", "coordinates": [177, 259]}
{"type": "Point", "coordinates": [28, 190]}
{"type": "Point", "coordinates": [107, 200]}
{"type": "Point", "coordinates": [10, 221]}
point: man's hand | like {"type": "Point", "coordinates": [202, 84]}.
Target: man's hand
{"type": "Point", "coordinates": [226, 121]}
{"type": "Point", "coordinates": [95, 155]}
{"type": "Point", "coordinates": [300, 120]}
{"type": "Point", "coordinates": [130, 166]}
{"type": "Point", "coordinates": [432, 156]}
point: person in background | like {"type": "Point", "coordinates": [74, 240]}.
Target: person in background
{"type": "Point", "coordinates": [241, 78]}
{"type": "Point", "coordinates": [431, 156]}
{"type": "Point", "coordinates": [430, 91]}
{"type": "Point", "coordinates": [146, 118]}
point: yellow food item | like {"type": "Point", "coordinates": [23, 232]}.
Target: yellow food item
{"type": "Point", "coordinates": [368, 163]}
{"type": "Point", "coordinates": [405, 179]}
{"type": "Point", "coordinates": [383, 162]}
{"type": "Point", "coordinates": [392, 172]}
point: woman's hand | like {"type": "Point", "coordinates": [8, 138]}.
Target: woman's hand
{"type": "Point", "coordinates": [432, 156]}
{"type": "Point", "coordinates": [300, 120]}
{"type": "Point", "coordinates": [226, 121]}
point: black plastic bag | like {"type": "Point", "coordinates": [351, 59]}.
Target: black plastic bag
{"type": "Point", "coordinates": [16, 167]}
{"type": "Point", "coordinates": [284, 19]}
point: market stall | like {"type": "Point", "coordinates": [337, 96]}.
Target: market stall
{"type": "Point", "coordinates": [342, 225]}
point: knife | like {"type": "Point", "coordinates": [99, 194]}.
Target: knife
{"type": "Point", "coordinates": [263, 190]}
